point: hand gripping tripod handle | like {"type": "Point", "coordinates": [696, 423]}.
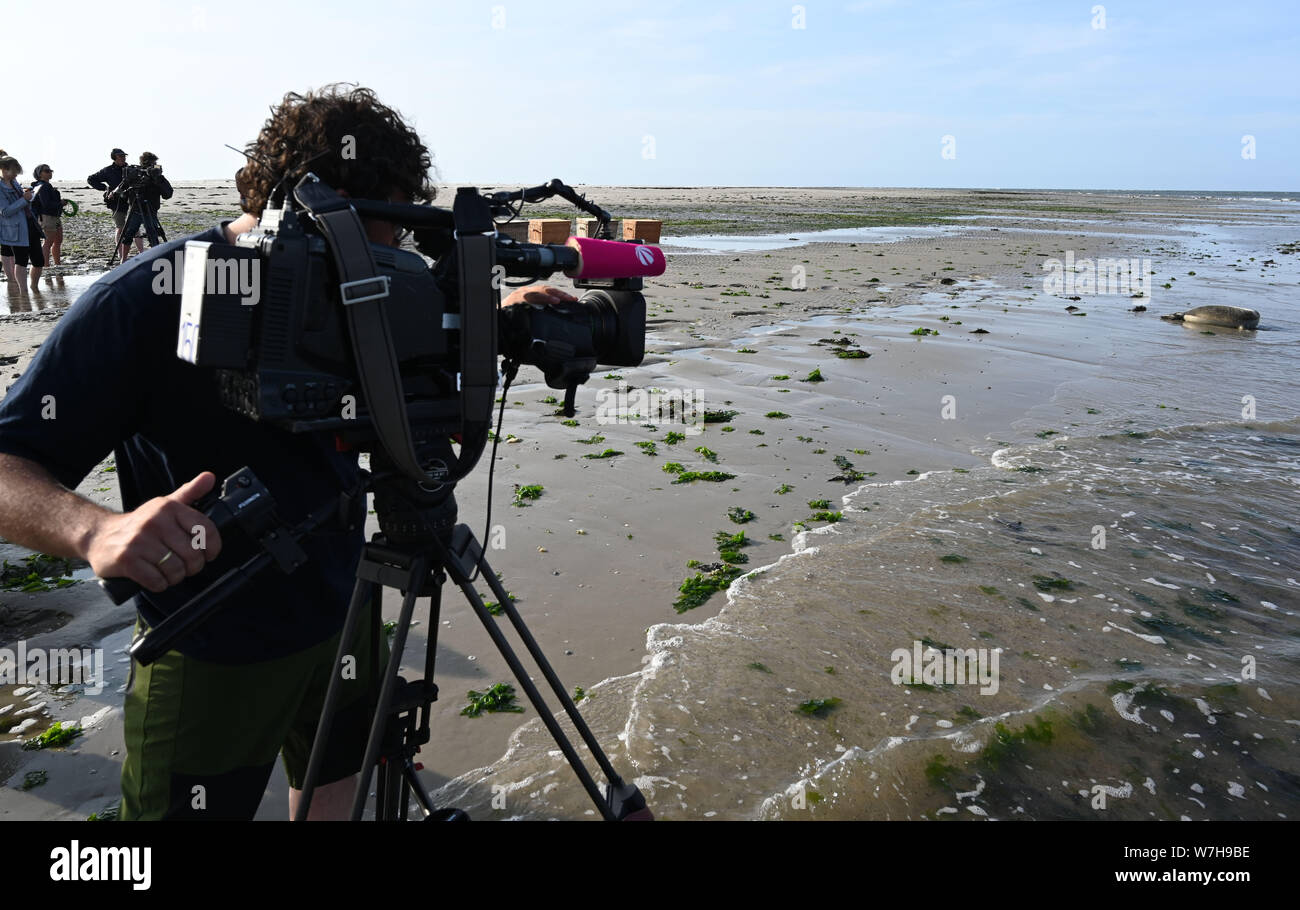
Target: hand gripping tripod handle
{"type": "Point", "coordinates": [245, 503]}
{"type": "Point", "coordinates": [119, 590]}
{"type": "Point", "coordinates": [243, 499]}
{"type": "Point", "coordinates": [158, 641]}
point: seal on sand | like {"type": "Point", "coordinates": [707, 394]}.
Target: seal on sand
{"type": "Point", "coordinates": [1232, 317]}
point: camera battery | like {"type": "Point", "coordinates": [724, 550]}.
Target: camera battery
{"type": "Point", "coordinates": [220, 290]}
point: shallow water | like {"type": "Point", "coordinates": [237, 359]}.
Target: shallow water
{"type": "Point", "coordinates": [56, 292]}
{"type": "Point", "coordinates": [1127, 553]}
{"type": "Point", "coordinates": [694, 244]}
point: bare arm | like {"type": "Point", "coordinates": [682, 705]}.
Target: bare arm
{"type": "Point", "coordinates": [37, 511]}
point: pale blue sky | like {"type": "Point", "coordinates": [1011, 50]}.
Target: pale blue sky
{"type": "Point", "coordinates": [729, 93]}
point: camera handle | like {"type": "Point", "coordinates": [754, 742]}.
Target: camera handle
{"type": "Point", "coordinates": [245, 503]}
{"type": "Point", "coordinates": [501, 202]}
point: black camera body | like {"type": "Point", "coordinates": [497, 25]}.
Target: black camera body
{"type": "Point", "coordinates": [283, 353]}
{"type": "Point", "coordinates": [135, 177]}
{"type": "Point", "coordinates": [297, 345]}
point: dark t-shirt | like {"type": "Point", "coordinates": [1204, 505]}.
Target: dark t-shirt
{"type": "Point", "coordinates": [46, 199]}
{"type": "Point", "coordinates": [108, 178]}
{"type": "Point", "coordinates": [117, 385]}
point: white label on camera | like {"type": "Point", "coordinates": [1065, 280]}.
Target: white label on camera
{"type": "Point", "coordinates": [187, 338]}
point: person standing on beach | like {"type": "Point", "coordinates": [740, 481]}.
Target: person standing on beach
{"type": "Point", "coordinates": [47, 206]}
{"type": "Point", "coordinates": [6, 258]}
{"type": "Point", "coordinates": [20, 237]}
{"type": "Point", "coordinates": [106, 180]}
{"type": "Point", "coordinates": [204, 723]}
{"type": "Point", "coordinates": [149, 192]}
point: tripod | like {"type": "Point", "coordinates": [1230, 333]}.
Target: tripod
{"type": "Point", "coordinates": [138, 214]}
{"type": "Point", "coordinates": [431, 547]}
{"type": "Point", "coordinates": [419, 546]}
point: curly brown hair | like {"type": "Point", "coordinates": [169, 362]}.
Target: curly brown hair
{"type": "Point", "coordinates": [342, 133]}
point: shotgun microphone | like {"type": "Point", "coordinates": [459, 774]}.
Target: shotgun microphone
{"type": "Point", "coordinates": [599, 259]}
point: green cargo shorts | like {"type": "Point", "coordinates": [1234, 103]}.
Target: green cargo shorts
{"type": "Point", "coordinates": [202, 737]}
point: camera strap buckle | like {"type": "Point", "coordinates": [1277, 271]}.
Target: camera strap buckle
{"type": "Point", "coordinates": [364, 289]}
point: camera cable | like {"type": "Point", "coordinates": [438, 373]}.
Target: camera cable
{"type": "Point", "coordinates": [509, 369]}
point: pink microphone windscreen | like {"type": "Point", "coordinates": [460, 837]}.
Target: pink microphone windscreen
{"type": "Point", "coordinates": [616, 259]}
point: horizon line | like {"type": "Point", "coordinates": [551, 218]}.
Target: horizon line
{"type": "Point", "coordinates": [819, 186]}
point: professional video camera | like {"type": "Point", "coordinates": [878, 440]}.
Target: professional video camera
{"type": "Point", "coordinates": [134, 179]}
{"type": "Point", "coordinates": [383, 348]}
{"type": "Point", "coordinates": [398, 358]}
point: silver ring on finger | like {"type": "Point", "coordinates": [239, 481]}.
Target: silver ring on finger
{"type": "Point", "coordinates": [168, 556]}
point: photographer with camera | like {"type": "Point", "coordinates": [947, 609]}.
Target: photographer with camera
{"type": "Point", "coordinates": [106, 180]}
{"type": "Point", "coordinates": [143, 188]}
{"type": "Point", "coordinates": [204, 723]}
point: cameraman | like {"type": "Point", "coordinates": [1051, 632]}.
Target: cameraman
{"type": "Point", "coordinates": [144, 188]}
{"type": "Point", "coordinates": [106, 180]}
{"type": "Point", "coordinates": [203, 724]}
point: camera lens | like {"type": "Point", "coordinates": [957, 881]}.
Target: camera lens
{"type": "Point", "coordinates": [617, 326]}
{"type": "Point", "coordinates": [604, 326]}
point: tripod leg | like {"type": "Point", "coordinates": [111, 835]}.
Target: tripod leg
{"type": "Point", "coordinates": [548, 671]}
{"type": "Point", "coordinates": [130, 229]}
{"type": "Point", "coordinates": [117, 242]}
{"type": "Point", "coordinates": [457, 564]}
{"type": "Point", "coordinates": [152, 227]}
{"type": "Point", "coordinates": [362, 592]}
{"type": "Point", "coordinates": [415, 582]}
{"type": "Point", "coordinates": [390, 786]}
{"type": "Point", "coordinates": [417, 789]}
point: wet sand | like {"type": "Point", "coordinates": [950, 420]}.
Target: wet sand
{"type": "Point", "coordinates": [598, 558]}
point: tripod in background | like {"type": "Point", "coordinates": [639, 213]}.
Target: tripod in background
{"type": "Point", "coordinates": [138, 214]}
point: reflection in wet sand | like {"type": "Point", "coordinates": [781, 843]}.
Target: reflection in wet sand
{"type": "Point", "coordinates": [54, 292]}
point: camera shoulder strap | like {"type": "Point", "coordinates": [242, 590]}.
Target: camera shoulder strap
{"type": "Point", "coordinates": [362, 293]}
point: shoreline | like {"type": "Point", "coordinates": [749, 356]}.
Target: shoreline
{"type": "Point", "coordinates": [591, 597]}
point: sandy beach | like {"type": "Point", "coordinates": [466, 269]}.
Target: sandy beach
{"type": "Point", "coordinates": [966, 361]}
